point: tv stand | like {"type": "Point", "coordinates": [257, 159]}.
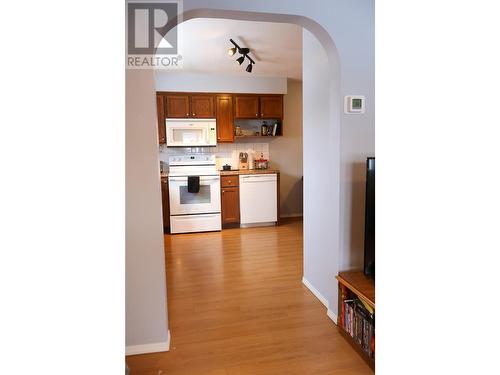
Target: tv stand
{"type": "Point", "coordinates": [354, 285]}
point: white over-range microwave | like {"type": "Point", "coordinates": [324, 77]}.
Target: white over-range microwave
{"type": "Point", "coordinates": [184, 132]}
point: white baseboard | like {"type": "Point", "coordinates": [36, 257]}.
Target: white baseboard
{"type": "Point", "coordinates": [321, 298]}
{"type": "Point", "coordinates": [149, 348]}
{"type": "Point", "coordinates": [332, 315]}
{"type": "Point", "coordinates": [314, 291]}
{"type": "Point", "coordinates": [291, 215]}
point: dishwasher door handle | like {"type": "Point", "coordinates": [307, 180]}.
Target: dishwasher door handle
{"type": "Point", "coordinates": [246, 179]}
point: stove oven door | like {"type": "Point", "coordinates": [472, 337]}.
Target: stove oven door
{"type": "Point", "coordinates": [206, 201]}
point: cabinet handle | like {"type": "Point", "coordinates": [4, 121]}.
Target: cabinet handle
{"type": "Point", "coordinates": [187, 114]}
{"type": "Point", "coordinates": [256, 114]}
{"type": "Point", "coordinates": [194, 114]}
{"type": "Point", "coordinates": [223, 191]}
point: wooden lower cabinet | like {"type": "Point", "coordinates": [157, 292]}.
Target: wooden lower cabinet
{"type": "Point", "coordinates": [230, 200]}
{"type": "Point", "coordinates": [165, 204]}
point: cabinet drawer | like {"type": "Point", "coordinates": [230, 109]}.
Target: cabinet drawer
{"type": "Point", "coordinates": [229, 181]}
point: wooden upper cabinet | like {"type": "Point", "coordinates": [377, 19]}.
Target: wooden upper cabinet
{"type": "Point", "coordinates": [271, 106]}
{"type": "Point", "coordinates": [202, 106]}
{"type": "Point", "coordinates": [246, 106]}
{"type": "Point", "coordinates": [160, 109]}
{"type": "Point", "coordinates": [177, 106]}
{"type": "Point", "coordinates": [224, 111]}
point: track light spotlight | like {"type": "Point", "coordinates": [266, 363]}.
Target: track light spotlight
{"type": "Point", "coordinates": [244, 54]}
{"type": "Point", "coordinates": [240, 59]}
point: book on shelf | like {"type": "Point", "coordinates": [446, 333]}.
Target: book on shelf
{"type": "Point", "coordinates": [359, 323]}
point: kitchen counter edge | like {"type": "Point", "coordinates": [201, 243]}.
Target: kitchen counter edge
{"type": "Point", "coordinates": [238, 172]}
{"type": "Point", "coordinates": [249, 171]}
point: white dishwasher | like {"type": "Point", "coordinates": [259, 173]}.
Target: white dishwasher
{"type": "Point", "coordinates": [258, 199]}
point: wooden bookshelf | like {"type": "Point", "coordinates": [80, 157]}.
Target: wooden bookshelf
{"type": "Point", "coordinates": [355, 282]}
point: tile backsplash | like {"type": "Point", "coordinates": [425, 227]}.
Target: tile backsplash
{"type": "Point", "coordinates": [223, 151]}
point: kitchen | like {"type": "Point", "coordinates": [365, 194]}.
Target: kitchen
{"type": "Point", "coordinates": [230, 146]}
{"type": "Point", "coordinates": [205, 192]}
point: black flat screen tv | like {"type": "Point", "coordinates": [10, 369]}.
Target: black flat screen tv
{"type": "Point", "coordinates": [369, 263]}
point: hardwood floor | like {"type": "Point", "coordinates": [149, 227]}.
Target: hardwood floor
{"type": "Point", "coordinates": [237, 306]}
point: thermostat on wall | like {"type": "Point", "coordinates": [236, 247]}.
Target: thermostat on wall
{"type": "Point", "coordinates": [354, 104]}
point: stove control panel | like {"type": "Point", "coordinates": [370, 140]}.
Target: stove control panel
{"type": "Point", "coordinates": [192, 159]}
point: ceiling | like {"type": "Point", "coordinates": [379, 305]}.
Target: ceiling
{"type": "Point", "coordinates": [275, 47]}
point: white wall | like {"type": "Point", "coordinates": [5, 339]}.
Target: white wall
{"type": "Point", "coordinates": [286, 152]}
{"type": "Point", "coordinates": [192, 82]}
{"type": "Point", "coordinates": [357, 131]}
{"type": "Point", "coordinates": [321, 173]}
{"type": "Point", "coordinates": [146, 315]}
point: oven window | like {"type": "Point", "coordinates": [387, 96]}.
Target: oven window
{"type": "Point", "coordinates": [188, 135]}
{"type": "Point", "coordinates": [203, 196]}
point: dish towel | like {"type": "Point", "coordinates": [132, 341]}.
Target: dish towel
{"type": "Point", "coordinates": [193, 184]}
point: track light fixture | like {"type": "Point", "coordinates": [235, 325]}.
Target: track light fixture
{"type": "Point", "coordinates": [240, 59]}
{"type": "Point", "coordinates": [244, 53]}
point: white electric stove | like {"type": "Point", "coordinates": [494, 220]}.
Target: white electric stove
{"type": "Point", "coordinates": [194, 212]}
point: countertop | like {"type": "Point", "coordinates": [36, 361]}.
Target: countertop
{"type": "Point", "coordinates": [249, 171]}
{"type": "Point", "coordinates": [238, 172]}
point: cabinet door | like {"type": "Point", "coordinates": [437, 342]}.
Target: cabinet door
{"type": "Point", "coordinates": [230, 205]}
{"type": "Point", "coordinates": [165, 204]}
{"type": "Point", "coordinates": [160, 108]}
{"type": "Point", "coordinates": [202, 106]}
{"type": "Point", "coordinates": [246, 106]}
{"type": "Point", "coordinates": [271, 106]}
{"type": "Point", "coordinates": [177, 106]}
{"type": "Point", "coordinates": [224, 109]}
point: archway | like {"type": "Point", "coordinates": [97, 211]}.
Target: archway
{"type": "Point", "coordinates": [320, 263]}
{"type": "Point", "coordinates": [321, 183]}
